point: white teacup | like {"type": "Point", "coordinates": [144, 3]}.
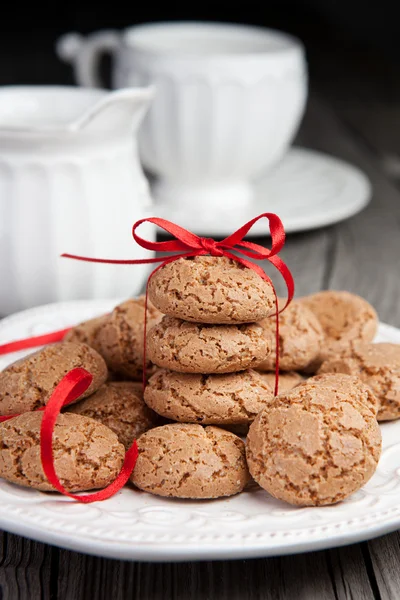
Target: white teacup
{"type": "Point", "coordinates": [229, 101]}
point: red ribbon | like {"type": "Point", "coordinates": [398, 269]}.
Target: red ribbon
{"type": "Point", "coordinates": [185, 245]}
{"type": "Point", "coordinates": [34, 342]}
{"type": "Point", "coordinates": [70, 388]}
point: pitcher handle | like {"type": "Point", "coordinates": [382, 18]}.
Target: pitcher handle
{"type": "Point", "coordinates": [84, 54]}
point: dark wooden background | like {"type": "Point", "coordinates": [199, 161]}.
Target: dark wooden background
{"type": "Point", "coordinates": [353, 113]}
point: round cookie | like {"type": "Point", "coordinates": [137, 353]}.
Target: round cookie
{"type": "Point", "coordinates": [86, 332]}
{"type": "Point", "coordinates": [308, 449]}
{"type": "Point", "coordinates": [120, 339]}
{"type": "Point", "coordinates": [198, 348]}
{"type": "Point", "coordinates": [287, 380]}
{"type": "Point", "coordinates": [118, 406]}
{"type": "Point", "coordinates": [377, 365]}
{"type": "Point", "coordinates": [235, 398]}
{"type": "Point", "coordinates": [190, 461]}
{"type": "Point", "coordinates": [344, 317]}
{"type": "Point", "coordinates": [87, 455]}
{"type": "Point", "coordinates": [209, 289]}
{"type": "Point", "coordinates": [28, 383]}
{"type": "Point", "coordinates": [344, 386]}
{"type": "Point", "coordinates": [300, 338]}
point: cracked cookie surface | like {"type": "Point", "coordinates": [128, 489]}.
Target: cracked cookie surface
{"type": "Point", "coordinates": [208, 289]}
{"type": "Point", "coordinates": [190, 461]}
{"type": "Point", "coordinates": [344, 317]}
{"type": "Point", "coordinates": [300, 338]}
{"type": "Point", "coordinates": [309, 449]}
{"type": "Point", "coordinates": [87, 332]}
{"type": "Point", "coordinates": [120, 339]}
{"type": "Point", "coordinates": [28, 383]}
{"type": "Point", "coordinates": [377, 365]}
{"type": "Point", "coordinates": [197, 348]}
{"type": "Point", "coordinates": [87, 455]}
{"type": "Point", "coordinates": [345, 387]}
{"type": "Point", "coordinates": [120, 406]}
{"type": "Point", "coordinates": [234, 398]}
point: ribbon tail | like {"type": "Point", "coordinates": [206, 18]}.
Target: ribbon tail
{"type": "Point", "coordinates": [34, 342]}
{"type": "Point", "coordinates": [70, 388]}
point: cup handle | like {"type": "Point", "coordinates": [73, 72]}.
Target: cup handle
{"type": "Point", "coordinates": [84, 54]}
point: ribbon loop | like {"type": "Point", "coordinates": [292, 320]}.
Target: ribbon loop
{"type": "Point", "coordinates": [211, 247]}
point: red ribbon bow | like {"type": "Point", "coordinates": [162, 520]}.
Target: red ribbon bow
{"type": "Point", "coordinates": [185, 245]}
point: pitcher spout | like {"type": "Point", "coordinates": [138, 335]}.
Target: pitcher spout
{"type": "Point", "coordinates": [120, 110]}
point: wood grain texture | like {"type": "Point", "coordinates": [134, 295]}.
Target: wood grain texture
{"type": "Point", "coordinates": [385, 559]}
{"type": "Point", "coordinates": [25, 569]}
{"type": "Point", "coordinates": [366, 249]}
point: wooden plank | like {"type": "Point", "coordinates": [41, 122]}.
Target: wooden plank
{"type": "Point", "coordinates": [301, 577]}
{"type": "Point", "coordinates": [366, 249]}
{"type": "Point", "coordinates": [25, 569]}
{"type": "Point", "coordinates": [385, 558]}
{"type": "Point", "coordinates": [350, 574]}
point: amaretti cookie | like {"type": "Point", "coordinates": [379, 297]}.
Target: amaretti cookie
{"type": "Point", "coordinates": [234, 398]}
{"type": "Point", "coordinates": [119, 406]}
{"type": "Point", "coordinates": [86, 332]}
{"type": "Point", "coordinates": [87, 455]}
{"type": "Point", "coordinates": [190, 461]}
{"type": "Point", "coordinates": [28, 383]}
{"type": "Point", "coordinates": [300, 338]}
{"type": "Point", "coordinates": [208, 289]}
{"type": "Point", "coordinates": [120, 339]}
{"type": "Point", "coordinates": [198, 348]}
{"type": "Point", "coordinates": [377, 365]}
{"type": "Point", "coordinates": [345, 318]}
{"type": "Point", "coordinates": [287, 379]}
{"type": "Point", "coordinates": [345, 387]}
{"type": "Point", "coordinates": [308, 449]}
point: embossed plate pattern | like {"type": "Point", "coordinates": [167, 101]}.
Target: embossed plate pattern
{"type": "Point", "coordinates": [135, 525]}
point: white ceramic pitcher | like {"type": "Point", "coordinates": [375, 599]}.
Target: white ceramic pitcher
{"type": "Point", "coordinates": [70, 181]}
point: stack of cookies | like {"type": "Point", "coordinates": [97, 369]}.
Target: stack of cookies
{"type": "Point", "coordinates": [206, 347]}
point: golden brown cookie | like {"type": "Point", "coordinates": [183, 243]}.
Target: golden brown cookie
{"type": "Point", "coordinates": [118, 406]}
{"type": "Point", "coordinates": [377, 365]}
{"type": "Point", "coordinates": [234, 398]}
{"type": "Point", "coordinates": [345, 386]}
{"type": "Point", "coordinates": [28, 383]}
{"type": "Point", "coordinates": [198, 348]}
{"type": "Point", "coordinates": [209, 289]}
{"type": "Point", "coordinates": [120, 339]}
{"type": "Point", "coordinates": [308, 449]}
{"type": "Point", "coordinates": [345, 318]}
{"type": "Point", "coordinates": [287, 380]}
{"type": "Point", "coordinates": [86, 332]}
{"type": "Point", "coordinates": [190, 461]}
{"type": "Point", "coordinates": [87, 455]}
{"type": "Point", "coordinates": [300, 338]}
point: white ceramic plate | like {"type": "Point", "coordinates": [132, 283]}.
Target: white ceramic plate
{"type": "Point", "coordinates": [135, 525]}
{"type": "Point", "coordinates": [307, 189]}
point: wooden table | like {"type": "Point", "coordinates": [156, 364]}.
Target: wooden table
{"type": "Point", "coordinates": [358, 121]}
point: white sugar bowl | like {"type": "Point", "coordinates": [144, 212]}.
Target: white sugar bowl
{"type": "Point", "coordinates": [229, 101]}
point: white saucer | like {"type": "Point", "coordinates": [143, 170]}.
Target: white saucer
{"type": "Point", "coordinates": [307, 189]}
{"type": "Point", "coordinates": [137, 526]}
